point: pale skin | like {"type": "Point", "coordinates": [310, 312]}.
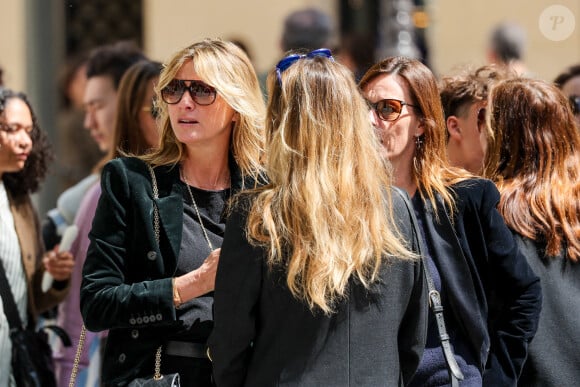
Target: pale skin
{"type": "Point", "coordinates": [467, 139]}
{"type": "Point", "coordinates": [396, 137]}
{"type": "Point", "coordinates": [15, 147]}
{"type": "Point", "coordinates": [206, 132]}
{"type": "Point", "coordinates": [100, 103]}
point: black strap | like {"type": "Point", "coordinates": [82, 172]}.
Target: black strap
{"type": "Point", "coordinates": [10, 309]}
{"type": "Point", "coordinates": [455, 373]}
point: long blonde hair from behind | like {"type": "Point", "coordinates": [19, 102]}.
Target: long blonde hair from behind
{"type": "Point", "coordinates": [224, 66]}
{"type": "Point", "coordinates": [325, 216]}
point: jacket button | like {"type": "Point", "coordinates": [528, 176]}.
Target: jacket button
{"type": "Point", "coordinates": [139, 320]}
{"type": "Point", "coordinates": [134, 333]}
{"type": "Point", "coordinates": [152, 318]}
{"type": "Point", "coordinates": [132, 321]}
{"type": "Point", "coordinates": [159, 317]}
{"type": "Point", "coordinates": [152, 255]}
{"type": "Point", "coordinates": [122, 358]}
{"type": "Point", "coordinates": [146, 319]}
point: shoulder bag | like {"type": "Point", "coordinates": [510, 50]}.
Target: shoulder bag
{"type": "Point", "coordinates": [455, 374]}
{"type": "Point", "coordinates": [32, 364]}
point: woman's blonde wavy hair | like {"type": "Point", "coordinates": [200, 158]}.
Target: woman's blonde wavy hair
{"type": "Point", "coordinates": [224, 66]}
{"type": "Point", "coordinates": [431, 170]}
{"type": "Point", "coordinates": [325, 216]}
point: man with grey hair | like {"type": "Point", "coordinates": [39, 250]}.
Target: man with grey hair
{"type": "Point", "coordinates": [507, 46]}
{"type": "Point", "coordinates": [308, 28]}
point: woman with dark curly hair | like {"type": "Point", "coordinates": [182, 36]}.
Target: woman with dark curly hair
{"type": "Point", "coordinates": [24, 157]}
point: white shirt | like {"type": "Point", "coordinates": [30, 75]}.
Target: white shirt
{"type": "Point", "coordinates": [11, 259]}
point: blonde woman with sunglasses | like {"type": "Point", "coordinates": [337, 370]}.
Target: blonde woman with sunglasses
{"type": "Point", "coordinates": [314, 286]}
{"type": "Point", "coordinates": [491, 298]}
{"type": "Point", "coordinates": [150, 268]}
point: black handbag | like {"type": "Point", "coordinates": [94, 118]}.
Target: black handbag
{"type": "Point", "coordinates": [32, 364]}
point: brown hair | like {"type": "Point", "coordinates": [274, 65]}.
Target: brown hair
{"type": "Point", "coordinates": [535, 161]}
{"type": "Point", "coordinates": [431, 170]}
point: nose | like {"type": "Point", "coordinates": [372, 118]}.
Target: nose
{"type": "Point", "coordinates": [89, 121]}
{"type": "Point", "coordinates": [187, 100]}
{"type": "Point", "coordinates": [24, 140]}
{"type": "Point", "coordinates": [374, 117]}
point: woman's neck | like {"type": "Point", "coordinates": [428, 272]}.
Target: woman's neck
{"type": "Point", "coordinates": [205, 172]}
{"type": "Point", "coordinates": [403, 177]}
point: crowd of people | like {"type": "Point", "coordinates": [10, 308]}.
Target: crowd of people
{"type": "Point", "coordinates": [320, 225]}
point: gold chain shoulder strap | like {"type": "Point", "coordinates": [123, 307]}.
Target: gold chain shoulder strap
{"type": "Point", "coordinates": [75, 368]}
{"type": "Point", "coordinates": [81, 344]}
{"type": "Point", "coordinates": [157, 375]}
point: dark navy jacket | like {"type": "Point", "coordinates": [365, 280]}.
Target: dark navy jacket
{"type": "Point", "coordinates": [492, 292]}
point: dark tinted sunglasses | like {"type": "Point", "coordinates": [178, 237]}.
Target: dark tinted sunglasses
{"type": "Point", "coordinates": [389, 109]}
{"type": "Point", "coordinates": [575, 102]}
{"type": "Point", "coordinates": [201, 93]}
{"type": "Point", "coordinates": [290, 59]}
{"type": "Point", "coordinates": [153, 109]}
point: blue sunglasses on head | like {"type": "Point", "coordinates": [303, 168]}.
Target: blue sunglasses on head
{"type": "Point", "coordinates": [290, 59]}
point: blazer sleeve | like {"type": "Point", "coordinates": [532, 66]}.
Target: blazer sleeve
{"type": "Point", "coordinates": [108, 299]}
{"type": "Point", "coordinates": [237, 292]}
{"type": "Point", "coordinates": [516, 289]}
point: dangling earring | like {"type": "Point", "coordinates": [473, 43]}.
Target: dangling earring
{"type": "Point", "coordinates": [419, 142]}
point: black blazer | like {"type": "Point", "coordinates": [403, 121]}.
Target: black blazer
{"type": "Point", "coordinates": [263, 336]}
{"type": "Point", "coordinates": [491, 290]}
{"type": "Point", "coordinates": [126, 284]}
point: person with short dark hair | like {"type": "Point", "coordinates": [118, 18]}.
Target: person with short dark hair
{"type": "Point", "coordinates": [105, 67]}
{"type": "Point", "coordinates": [464, 100]}
{"type": "Point", "coordinates": [507, 46]}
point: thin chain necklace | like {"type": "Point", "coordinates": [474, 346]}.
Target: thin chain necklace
{"type": "Point", "coordinates": [196, 210]}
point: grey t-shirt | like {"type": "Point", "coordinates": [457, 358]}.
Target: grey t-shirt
{"type": "Point", "coordinates": [197, 313]}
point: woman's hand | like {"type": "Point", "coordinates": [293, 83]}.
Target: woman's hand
{"type": "Point", "coordinates": [201, 280]}
{"type": "Point", "coordinates": [59, 264]}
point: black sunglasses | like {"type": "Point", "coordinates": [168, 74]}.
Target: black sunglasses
{"type": "Point", "coordinates": [201, 93]}
{"type": "Point", "coordinates": [153, 109]}
{"type": "Point", "coordinates": [575, 102]}
{"type": "Point", "coordinates": [389, 109]}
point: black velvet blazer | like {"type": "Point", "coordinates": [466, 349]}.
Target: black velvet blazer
{"type": "Point", "coordinates": [490, 289]}
{"type": "Point", "coordinates": [126, 286]}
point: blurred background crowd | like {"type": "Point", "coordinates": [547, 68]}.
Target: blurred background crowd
{"type": "Point", "coordinates": [45, 43]}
